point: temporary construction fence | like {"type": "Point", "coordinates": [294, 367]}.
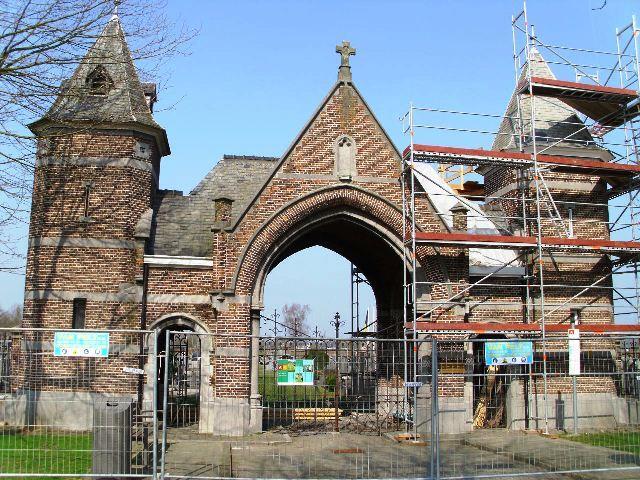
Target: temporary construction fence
{"type": "Point", "coordinates": [328, 408]}
{"type": "Point", "coordinates": [77, 403]}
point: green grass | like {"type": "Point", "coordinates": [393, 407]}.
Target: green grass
{"type": "Point", "coordinates": [270, 391]}
{"type": "Point", "coordinates": [52, 452]}
{"type": "Point", "coordinates": [622, 441]}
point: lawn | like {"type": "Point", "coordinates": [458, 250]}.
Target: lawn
{"type": "Point", "coordinates": [51, 452]}
{"type": "Point", "coordinates": [270, 391]}
{"type": "Point", "coordinates": [622, 441]}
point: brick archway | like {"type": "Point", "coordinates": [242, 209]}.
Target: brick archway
{"type": "Point", "coordinates": [348, 220]}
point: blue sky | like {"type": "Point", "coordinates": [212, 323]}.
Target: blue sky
{"type": "Point", "coordinates": [258, 69]}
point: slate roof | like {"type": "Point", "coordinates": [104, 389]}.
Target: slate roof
{"type": "Point", "coordinates": [550, 115]}
{"type": "Point", "coordinates": [182, 224]}
{"type": "Point", "coordinates": [125, 102]}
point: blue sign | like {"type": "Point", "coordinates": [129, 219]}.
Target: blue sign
{"type": "Point", "coordinates": [81, 344]}
{"type": "Point", "coordinates": [508, 353]}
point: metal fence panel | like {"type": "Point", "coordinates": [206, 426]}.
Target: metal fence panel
{"type": "Point", "coordinates": [241, 406]}
{"type": "Point", "coordinates": [56, 408]}
{"type": "Point", "coordinates": [510, 418]}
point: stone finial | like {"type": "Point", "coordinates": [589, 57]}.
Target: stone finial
{"type": "Point", "coordinates": [345, 50]}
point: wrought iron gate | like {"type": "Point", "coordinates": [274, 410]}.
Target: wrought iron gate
{"type": "Point", "coordinates": [183, 379]}
{"type": "Point", "coordinates": [357, 385]}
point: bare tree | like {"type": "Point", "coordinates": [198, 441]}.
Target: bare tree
{"type": "Point", "coordinates": [11, 317]}
{"type": "Point", "coordinates": [295, 318]}
{"type": "Point", "coordinates": [41, 43]}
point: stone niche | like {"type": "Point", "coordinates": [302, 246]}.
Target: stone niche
{"type": "Point", "coordinates": [345, 158]}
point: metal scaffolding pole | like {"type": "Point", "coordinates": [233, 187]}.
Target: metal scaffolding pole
{"type": "Point", "coordinates": [531, 155]}
{"type": "Point", "coordinates": [530, 43]}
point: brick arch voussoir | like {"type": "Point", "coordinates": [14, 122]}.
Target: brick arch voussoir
{"type": "Point", "coordinates": [382, 211]}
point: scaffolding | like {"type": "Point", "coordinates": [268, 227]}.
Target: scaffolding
{"type": "Point", "coordinates": [599, 139]}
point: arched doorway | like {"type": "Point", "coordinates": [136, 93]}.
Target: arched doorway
{"type": "Point", "coordinates": [368, 245]}
{"type": "Point", "coordinates": [182, 361]}
{"type": "Point", "coordinates": [358, 384]}
{"type": "Point", "coordinates": [363, 226]}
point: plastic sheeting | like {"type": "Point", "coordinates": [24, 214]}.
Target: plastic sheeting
{"type": "Point", "coordinates": [442, 197]}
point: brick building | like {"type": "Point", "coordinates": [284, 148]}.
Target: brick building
{"type": "Point", "coordinates": [109, 249]}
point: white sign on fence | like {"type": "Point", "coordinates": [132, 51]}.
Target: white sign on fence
{"type": "Point", "coordinates": [412, 384]}
{"type": "Point", "coordinates": [134, 371]}
{"type": "Point", "coordinates": [574, 351]}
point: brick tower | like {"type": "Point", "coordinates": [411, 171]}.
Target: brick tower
{"type": "Point", "coordinates": [97, 170]}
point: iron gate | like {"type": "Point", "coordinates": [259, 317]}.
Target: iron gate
{"type": "Point", "coordinates": [357, 385]}
{"type": "Point", "coordinates": [183, 379]}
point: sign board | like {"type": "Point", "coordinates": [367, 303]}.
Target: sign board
{"type": "Point", "coordinates": [412, 384]}
{"type": "Point", "coordinates": [574, 351]}
{"type": "Point", "coordinates": [81, 344]}
{"type": "Point", "coordinates": [295, 372]}
{"type": "Point", "coordinates": [508, 353]}
{"type": "Point", "coordinates": [133, 371]}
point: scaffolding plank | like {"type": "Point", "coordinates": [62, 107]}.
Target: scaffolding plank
{"type": "Point", "coordinates": [518, 159]}
{"type": "Point", "coordinates": [621, 95]}
{"type": "Point", "coordinates": [548, 243]}
{"type": "Point", "coordinates": [522, 328]}
{"type": "Point", "coordinates": [605, 105]}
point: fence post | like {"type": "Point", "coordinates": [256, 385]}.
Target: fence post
{"type": "Point", "coordinates": [165, 401]}
{"type": "Point", "coordinates": [154, 408]}
{"type": "Point", "coordinates": [336, 393]}
{"type": "Point", "coordinates": [435, 433]}
{"type": "Point", "coordinates": [575, 406]}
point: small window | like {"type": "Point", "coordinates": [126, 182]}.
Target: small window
{"type": "Point", "coordinates": [79, 312]}
{"type": "Point", "coordinates": [98, 81]}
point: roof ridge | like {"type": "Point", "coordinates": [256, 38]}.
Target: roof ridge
{"type": "Point", "coordinates": [228, 156]}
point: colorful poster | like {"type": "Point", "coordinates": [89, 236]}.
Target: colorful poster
{"type": "Point", "coordinates": [295, 372]}
{"type": "Point", "coordinates": [508, 353]}
{"type": "Point", "coordinates": [81, 344]}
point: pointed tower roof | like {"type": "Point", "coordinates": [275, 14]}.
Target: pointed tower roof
{"type": "Point", "coordinates": [105, 90]}
{"type": "Point", "coordinates": [554, 119]}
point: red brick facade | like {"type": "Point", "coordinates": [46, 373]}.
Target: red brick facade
{"type": "Point", "coordinates": [93, 227]}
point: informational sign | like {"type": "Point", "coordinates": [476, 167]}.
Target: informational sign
{"type": "Point", "coordinates": [574, 351]}
{"type": "Point", "coordinates": [508, 353]}
{"type": "Point", "coordinates": [81, 344]}
{"type": "Point", "coordinates": [412, 384]}
{"type": "Point", "coordinates": [133, 371]}
{"type": "Point", "coordinates": [295, 372]}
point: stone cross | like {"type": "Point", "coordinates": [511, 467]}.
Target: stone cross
{"type": "Point", "coordinates": [345, 50]}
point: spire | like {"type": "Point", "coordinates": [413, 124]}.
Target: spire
{"type": "Point", "coordinates": [344, 71]}
{"type": "Point", "coordinates": [105, 89]}
{"type": "Point", "coordinates": [554, 119]}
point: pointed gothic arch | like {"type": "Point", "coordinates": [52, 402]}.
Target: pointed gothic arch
{"type": "Point", "coordinates": [359, 225]}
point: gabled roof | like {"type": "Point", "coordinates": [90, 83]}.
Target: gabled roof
{"type": "Point", "coordinates": [554, 119]}
{"type": "Point", "coordinates": [183, 223]}
{"type": "Point", "coordinates": [124, 103]}
{"type": "Point", "coordinates": [307, 126]}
